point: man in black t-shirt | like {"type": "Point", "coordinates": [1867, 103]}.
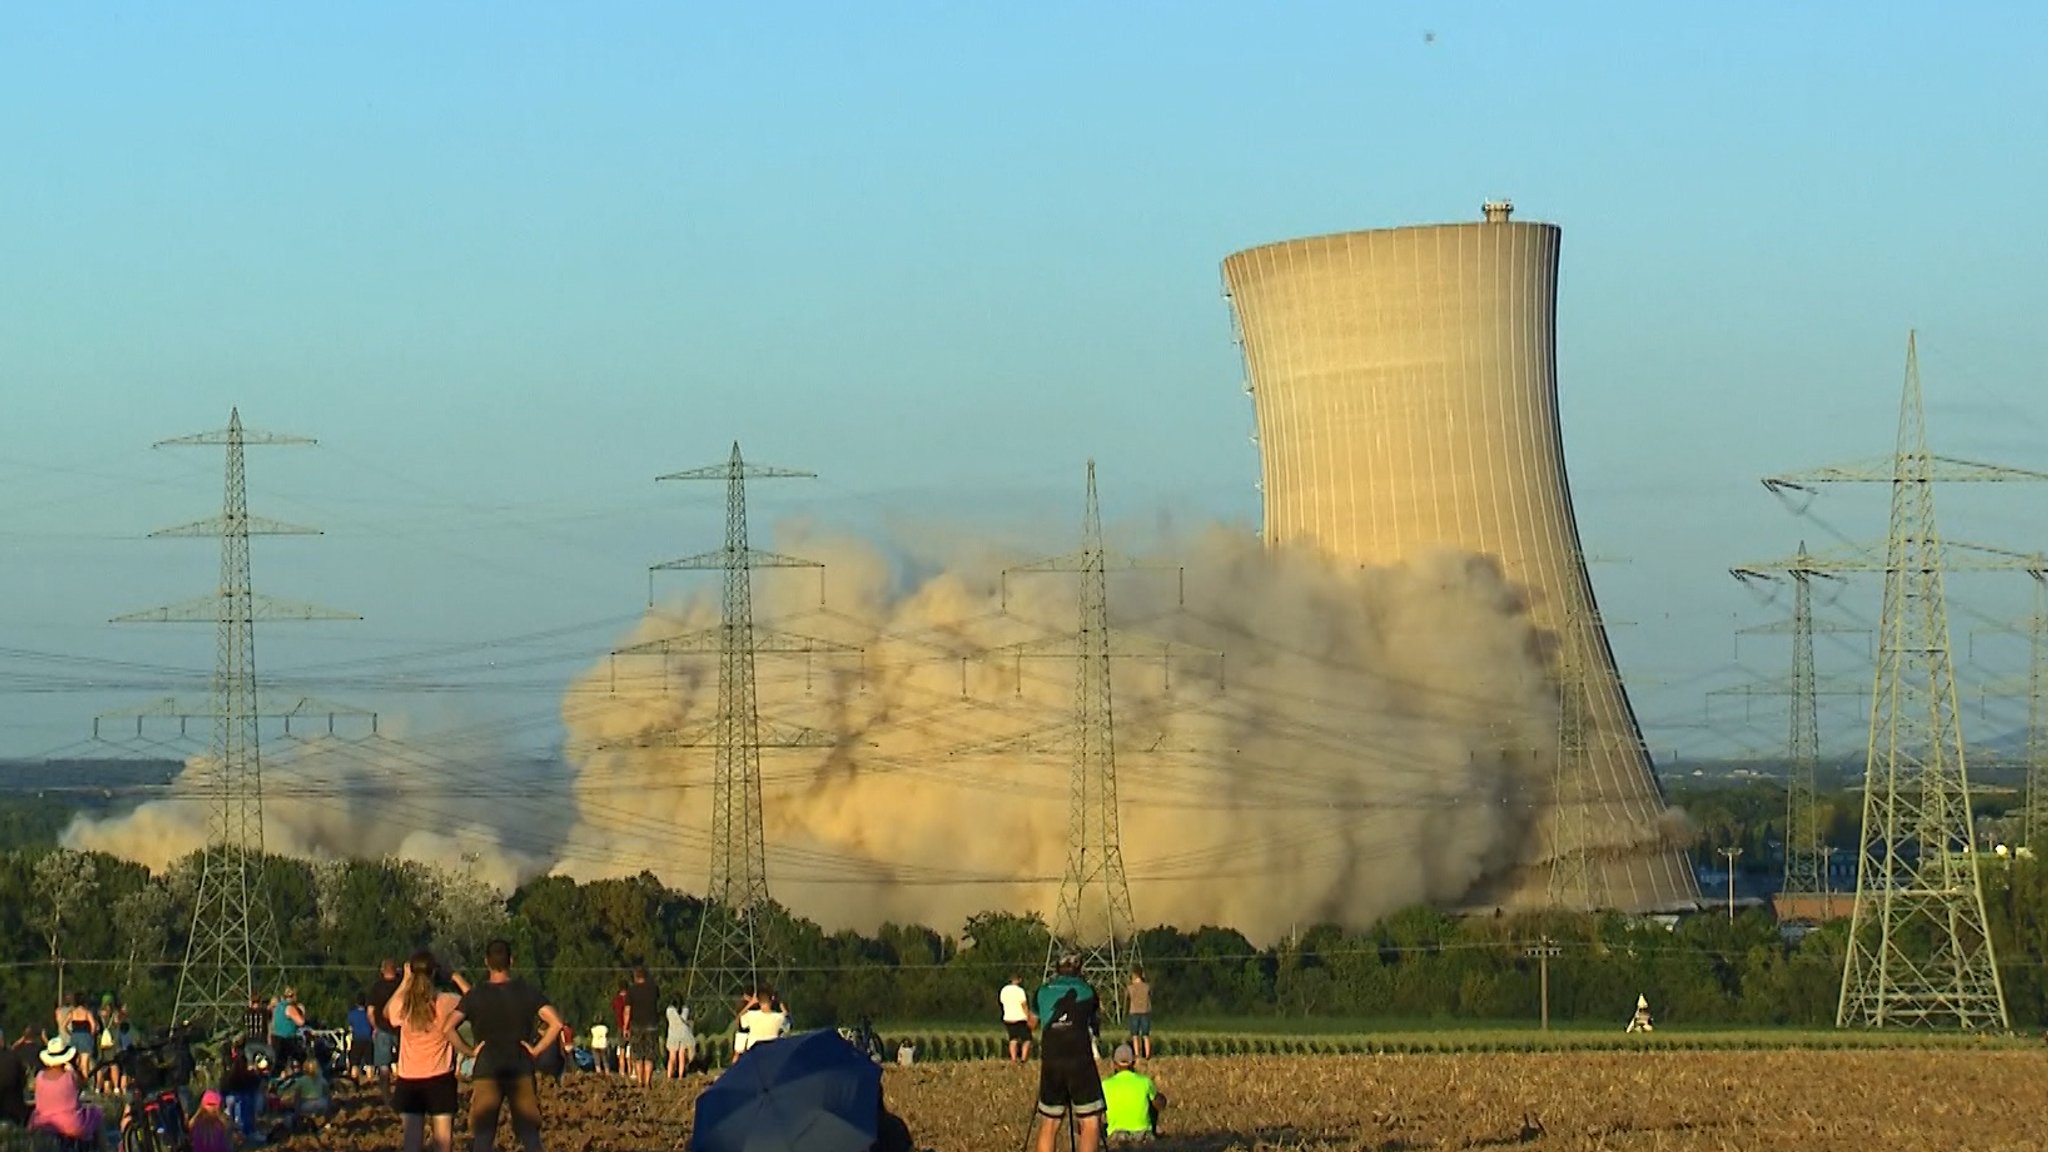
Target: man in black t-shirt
{"type": "Point", "coordinates": [383, 1035]}
{"type": "Point", "coordinates": [643, 1025]}
{"type": "Point", "coordinates": [500, 1013]}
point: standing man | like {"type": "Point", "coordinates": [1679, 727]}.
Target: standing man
{"type": "Point", "coordinates": [1138, 1007]}
{"type": "Point", "coordinates": [643, 1025]}
{"type": "Point", "coordinates": [500, 1013]}
{"type": "Point", "coordinates": [1068, 1012]}
{"type": "Point", "coordinates": [383, 1033]}
{"type": "Point", "coordinates": [619, 1036]}
{"type": "Point", "coordinates": [1016, 1004]}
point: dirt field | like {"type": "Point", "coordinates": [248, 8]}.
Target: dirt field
{"type": "Point", "coordinates": [1810, 1101]}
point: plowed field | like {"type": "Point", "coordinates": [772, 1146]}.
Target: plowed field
{"type": "Point", "coordinates": [1827, 1101]}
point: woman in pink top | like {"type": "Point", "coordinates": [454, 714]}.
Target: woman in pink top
{"type": "Point", "coordinates": [424, 1086]}
{"type": "Point", "coordinates": [58, 1108]}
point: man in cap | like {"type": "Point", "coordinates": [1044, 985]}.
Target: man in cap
{"type": "Point", "coordinates": [1134, 1101]}
{"type": "Point", "coordinates": [1068, 1013]}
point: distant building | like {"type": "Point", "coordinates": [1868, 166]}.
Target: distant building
{"type": "Point", "coordinates": [1812, 907]}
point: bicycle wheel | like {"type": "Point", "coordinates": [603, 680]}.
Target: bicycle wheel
{"type": "Point", "coordinates": [139, 1137]}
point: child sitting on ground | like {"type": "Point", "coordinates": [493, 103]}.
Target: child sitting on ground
{"type": "Point", "coordinates": [210, 1131]}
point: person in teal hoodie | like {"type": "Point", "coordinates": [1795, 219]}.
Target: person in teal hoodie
{"type": "Point", "coordinates": [1067, 1014]}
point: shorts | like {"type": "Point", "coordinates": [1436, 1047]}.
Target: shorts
{"type": "Point", "coordinates": [384, 1049]}
{"type": "Point", "coordinates": [1141, 1023]}
{"type": "Point", "coordinates": [644, 1042]}
{"type": "Point", "coordinates": [433, 1096]}
{"type": "Point", "coordinates": [1019, 1030]}
{"type": "Point", "coordinates": [517, 1090]}
{"type": "Point", "coordinates": [1069, 1086]}
{"type": "Point", "coordinates": [359, 1052]}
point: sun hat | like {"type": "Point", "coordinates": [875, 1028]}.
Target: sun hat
{"type": "Point", "coordinates": [210, 1100]}
{"type": "Point", "coordinates": [58, 1052]}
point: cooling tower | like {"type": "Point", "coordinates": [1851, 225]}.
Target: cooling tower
{"type": "Point", "coordinates": [1405, 386]}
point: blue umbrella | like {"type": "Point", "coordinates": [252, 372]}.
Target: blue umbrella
{"type": "Point", "coordinates": [811, 1092]}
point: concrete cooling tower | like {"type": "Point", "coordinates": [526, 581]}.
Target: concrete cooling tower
{"type": "Point", "coordinates": [1405, 385]}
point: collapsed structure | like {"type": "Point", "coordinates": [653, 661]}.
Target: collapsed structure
{"type": "Point", "coordinates": [1405, 389]}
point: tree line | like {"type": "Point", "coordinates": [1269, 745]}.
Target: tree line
{"type": "Point", "coordinates": [99, 925]}
{"type": "Point", "coordinates": [94, 923]}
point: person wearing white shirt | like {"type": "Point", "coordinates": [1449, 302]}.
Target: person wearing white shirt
{"type": "Point", "coordinates": [1016, 1004]}
{"type": "Point", "coordinates": [765, 1019]}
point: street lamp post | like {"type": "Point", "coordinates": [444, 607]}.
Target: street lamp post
{"type": "Point", "coordinates": [1731, 854]}
{"type": "Point", "coordinates": [1543, 953]}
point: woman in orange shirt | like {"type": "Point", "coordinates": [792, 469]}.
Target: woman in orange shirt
{"type": "Point", "coordinates": [423, 1089]}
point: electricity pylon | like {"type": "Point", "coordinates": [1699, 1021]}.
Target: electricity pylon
{"type": "Point", "coordinates": [1572, 885]}
{"type": "Point", "coordinates": [1577, 881]}
{"type": "Point", "coordinates": [1920, 949]}
{"type": "Point", "coordinates": [1093, 918]}
{"type": "Point", "coordinates": [738, 910]}
{"type": "Point", "coordinates": [232, 951]}
{"type": "Point", "coordinates": [2034, 686]}
{"type": "Point", "coordinates": [2033, 820]}
{"type": "Point", "coordinates": [1805, 840]}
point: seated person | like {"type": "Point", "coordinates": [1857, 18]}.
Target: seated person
{"type": "Point", "coordinates": [763, 1019]}
{"type": "Point", "coordinates": [210, 1132]}
{"type": "Point", "coordinates": [1135, 1102]}
{"type": "Point", "coordinates": [306, 1094]}
{"type": "Point", "coordinates": [58, 1106]}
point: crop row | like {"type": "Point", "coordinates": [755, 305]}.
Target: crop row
{"type": "Point", "coordinates": [956, 1046]}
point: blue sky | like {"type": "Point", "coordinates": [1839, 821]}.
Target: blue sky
{"type": "Point", "coordinates": [510, 262]}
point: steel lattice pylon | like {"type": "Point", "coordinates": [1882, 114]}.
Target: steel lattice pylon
{"type": "Point", "coordinates": [1093, 917]}
{"type": "Point", "coordinates": [2033, 818]}
{"type": "Point", "coordinates": [2033, 687]}
{"type": "Point", "coordinates": [736, 946]}
{"type": "Point", "coordinates": [1571, 865]}
{"type": "Point", "coordinates": [232, 951]}
{"type": "Point", "coordinates": [1805, 864]}
{"type": "Point", "coordinates": [1095, 857]}
{"type": "Point", "coordinates": [1920, 949]}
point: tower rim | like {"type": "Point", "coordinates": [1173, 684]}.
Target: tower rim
{"type": "Point", "coordinates": [1323, 238]}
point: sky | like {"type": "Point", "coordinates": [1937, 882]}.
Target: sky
{"type": "Point", "coordinates": [509, 264]}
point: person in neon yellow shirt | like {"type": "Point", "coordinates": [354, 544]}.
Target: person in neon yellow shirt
{"type": "Point", "coordinates": [1135, 1102]}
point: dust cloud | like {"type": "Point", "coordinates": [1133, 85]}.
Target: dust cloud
{"type": "Point", "coordinates": [332, 798]}
{"type": "Point", "coordinates": [1295, 741]}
